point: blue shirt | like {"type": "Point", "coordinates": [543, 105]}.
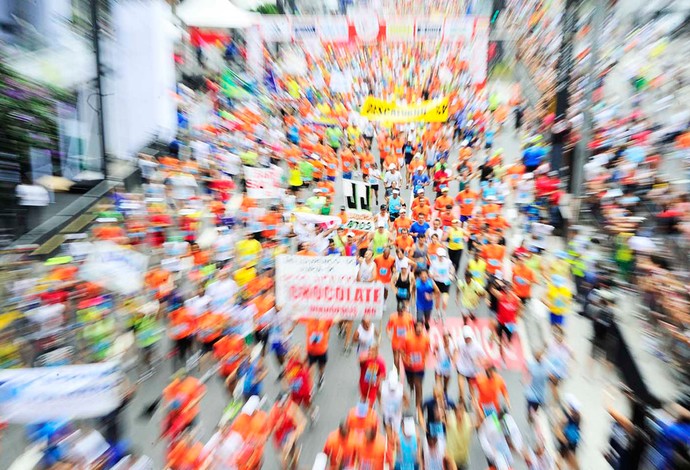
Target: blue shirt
{"type": "Point", "coordinates": [416, 229]}
{"type": "Point", "coordinates": [536, 390]}
{"type": "Point", "coordinates": [394, 204]}
{"type": "Point", "coordinates": [424, 288]}
{"type": "Point", "coordinates": [670, 436]}
{"type": "Point", "coordinates": [418, 181]}
{"type": "Point", "coordinates": [532, 156]}
{"type": "Point", "coordinates": [489, 135]}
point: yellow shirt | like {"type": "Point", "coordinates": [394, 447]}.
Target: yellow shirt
{"type": "Point", "coordinates": [244, 276]}
{"type": "Point", "coordinates": [248, 251]}
{"type": "Point", "coordinates": [558, 299]}
{"type": "Point", "coordinates": [478, 270]}
{"type": "Point", "coordinates": [456, 239]}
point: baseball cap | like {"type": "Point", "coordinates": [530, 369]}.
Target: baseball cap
{"type": "Point", "coordinates": [441, 252]}
{"type": "Point", "coordinates": [391, 166]}
{"type": "Point", "coordinates": [396, 191]}
{"type": "Point", "coordinates": [350, 234]}
{"type": "Point", "coordinates": [456, 221]}
{"type": "Point", "coordinates": [420, 191]}
{"type": "Point", "coordinates": [444, 189]}
{"type": "Point", "coordinates": [380, 225]}
{"type": "Point", "coordinates": [467, 332]}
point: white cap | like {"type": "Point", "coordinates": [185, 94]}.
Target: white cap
{"type": "Point", "coordinates": [380, 225]}
{"type": "Point", "coordinates": [467, 332]}
{"type": "Point", "coordinates": [402, 210]}
{"type": "Point", "coordinates": [252, 405]}
{"type": "Point", "coordinates": [396, 191]}
{"type": "Point", "coordinates": [441, 252]}
{"type": "Point", "coordinates": [350, 234]}
{"type": "Point", "coordinates": [409, 427]}
{"type": "Point", "coordinates": [419, 169]}
{"type": "Point", "coordinates": [391, 166]}
{"type": "Point", "coordinates": [444, 189]}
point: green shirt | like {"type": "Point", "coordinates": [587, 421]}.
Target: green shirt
{"type": "Point", "coordinates": [459, 437]}
{"type": "Point", "coordinates": [334, 135]}
{"type": "Point", "coordinates": [307, 170]}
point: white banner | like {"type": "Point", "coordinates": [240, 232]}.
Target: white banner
{"type": "Point", "coordinates": [334, 29]}
{"type": "Point", "coordinates": [357, 195]}
{"type": "Point", "coordinates": [276, 28]}
{"type": "Point", "coordinates": [359, 221]}
{"type": "Point", "coordinates": [114, 267]}
{"type": "Point", "coordinates": [429, 30]}
{"type": "Point", "coordinates": [322, 299]}
{"type": "Point", "coordinates": [316, 219]}
{"type": "Point", "coordinates": [458, 30]}
{"type": "Point", "coordinates": [59, 393]}
{"type": "Point", "coordinates": [400, 29]}
{"type": "Point", "coordinates": [304, 28]}
{"type": "Point", "coordinates": [305, 270]}
{"type": "Point", "coordinates": [255, 53]}
{"type": "Point", "coordinates": [263, 183]}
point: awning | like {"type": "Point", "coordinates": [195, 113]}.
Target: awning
{"type": "Point", "coordinates": [215, 14]}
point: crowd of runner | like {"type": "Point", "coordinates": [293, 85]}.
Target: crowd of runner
{"type": "Point", "coordinates": [210, 286]}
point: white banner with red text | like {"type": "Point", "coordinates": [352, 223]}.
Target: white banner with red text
{"type": "Point", "coordinates": [263, 183]}
{"type": "Point", "coordinates": [317, 299]}
{"type": "Point", "coordinates": [325, 287]}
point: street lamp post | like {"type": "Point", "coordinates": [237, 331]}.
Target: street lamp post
{"type": "Point", "coordinates": [95, 38]}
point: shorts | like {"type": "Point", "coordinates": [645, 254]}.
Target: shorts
{"type": "Point", "coordinates": [408, 158]}
{"type": "Point", "coordinates": [296, 188]}
{"type": "Point", "coordinates": [488, 145]}
{"type": "Point", "coordinates": [301, 399]}
{"type": "Point", "coordinates": [501, 329]}
{"type": "Point", "coordinates": [443, 287]}
{"type": "Point", "coordinates": [423, 314]}
{"type": "Point", "coordinates": [533, 406]}
{"type": "Point", "coordinates": [411, 375]}
{"type": "Point", "coordinates": [556, 319]}
{"type": "Point", "coordinates": [429, 167]}
{"type": "Point", "coordinates": [321, 359]}
{"type": "Point", "coordinates": [183, 345]}
{"type": "Point", "coordinates": [565, 448]}
{"type": "Point", "coordinates": [374, 187]}
{"type": "Point", "coordinates": [207, 346]}
{"type": "Point", "coordinates": [330, 178]}
{"type": "Point", "coordinates": [261, 336]}
{"type": "Point", "coordinates": [465, 218]}
{"type": "Point", "coordinates": [347, 176]}
{"type": "Point", "coordinates": [394, 215]}
{"type": "Point", "coordinates": [279, 349]}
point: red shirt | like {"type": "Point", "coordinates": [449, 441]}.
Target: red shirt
{"type": "Point", "coordinates": [372, 372]}
{"type": "Point", "coordinates": [507, 309]}
{"type": "Point", "coordinates": [298, 377]}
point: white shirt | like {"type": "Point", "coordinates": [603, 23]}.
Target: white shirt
{"type": "Point", "coordinates": [366, 271]}
{"type": "Point", "coordinates": [382, 218]}
{"type": "Point", "coordinates": [392, 403]}
{"type": "Point", "coordinates": [392, 179]}
{"type": "Point", "coordinates": [221, 292]}
{"type": "Point", "coordinates": [366, 337]}
{"type": "Point", "coordinates": [440, 270]}
{"type": "Point", "coordinates": [433, 459]}
{"type": "Point", "coordinates": [469, 357]}
{"type": "Point", "coordinates": [437, 231]}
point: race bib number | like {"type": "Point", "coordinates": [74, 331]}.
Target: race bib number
{"type": "Point", "coordinates": [521, 280]}
{"type": "Point", "coordinates": [402, 293]}
{"type": "Point", "coordinates": [315, 338]}
{"type": "Point", "coordinates": [401, 332]}
{"type": "Point", "coordinates": [382, 271]}
{"type": "Point", "coordinates": [415, 358]}
{"type": "Point", "coordinates": [494, 262]}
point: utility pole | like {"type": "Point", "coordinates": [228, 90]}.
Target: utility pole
{"type": "Point", "coordinates": [581, 150]}
{"type": "Point", "coordinates": [95, 38]}
{"type": "Point", "coordinates": [564, 70]}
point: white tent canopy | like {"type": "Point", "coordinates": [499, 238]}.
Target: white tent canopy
{"type": "Point", "coordinates": [215, 14]}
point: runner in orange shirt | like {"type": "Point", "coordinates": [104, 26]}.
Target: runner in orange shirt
{"type": "Point", "coordinates": [318, 333]}
{"type": "Point", "coordinates": [493, 253]}
{"type": "Point", "coordinates": [340, 448]}
{"type": "Point", "coordinates": [385, 265]}
{"type": "Point", "coordinates": [415, 352]}
{"type": "Point", "coordinates": [523, 278]}
{"type": "Point", "coordinates": [402, 222]}
{"type": "Point", "coordinates": [372, 453]}
{"type": "Point", "coordinates": [181, 331]}
{"type": "Point", "coordinates": [361, 419]}
{"type": "Point", "coordinates": [405, 242]}
{"type": "Point", "coordinates": [399, 325]}
{"type": "Point", "coordinates": [490, 387]}
{"type": "Point", "coordinates": [347, 157]}
{"type": "Point", "coordinates": [443, 200]}
{"type": "Point", "coordinates": [466, 199]}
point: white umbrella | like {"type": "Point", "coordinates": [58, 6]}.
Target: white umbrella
{"type": "Point", "coordinates": [643, 244]}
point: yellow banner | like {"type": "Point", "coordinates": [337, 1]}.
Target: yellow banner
{"type": "Point", "coordinates": [428, 111]}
